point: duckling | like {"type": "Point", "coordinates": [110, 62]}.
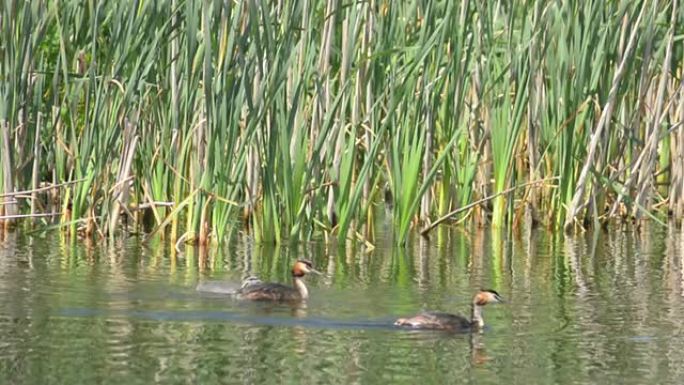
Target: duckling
{"type": "Point", "coordinates": [218, 287]}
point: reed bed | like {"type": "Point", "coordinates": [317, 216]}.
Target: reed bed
{"type": "Point", "coordinates": [294, 119]}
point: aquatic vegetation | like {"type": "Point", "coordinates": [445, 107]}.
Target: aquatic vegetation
{"type": "Point", "coordinates": [289, 119]}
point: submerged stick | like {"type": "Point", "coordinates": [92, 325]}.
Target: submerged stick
{"type": "Point", "coordinates": [431, 226]}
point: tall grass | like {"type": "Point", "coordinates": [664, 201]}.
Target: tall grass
{"type": "Point", "coordinates": [288, 119]}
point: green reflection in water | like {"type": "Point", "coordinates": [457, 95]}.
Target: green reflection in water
{"type": "Point", "coordinates": [596, 308]}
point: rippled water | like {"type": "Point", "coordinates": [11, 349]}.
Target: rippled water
{"type": "Point", "coordinates": [596, 308]}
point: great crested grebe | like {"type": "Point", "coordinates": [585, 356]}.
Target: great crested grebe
{"type": "Point", "coordinates": [263, 291]}
{"type": "Point", "coordinates": [453, 322]}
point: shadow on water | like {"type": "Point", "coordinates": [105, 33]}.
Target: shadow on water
{"type": "Point", "coordinates": [297, 317]}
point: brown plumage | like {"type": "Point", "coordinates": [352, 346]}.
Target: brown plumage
{"type": "Point", "coordinates": [278, 292]}
{"type": "Point", "coordinates": [453, 322]}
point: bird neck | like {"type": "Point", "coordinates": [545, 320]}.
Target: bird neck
{"type": "Point", "coordinates": [476, 316]}
{"type": "Point", "coordinates": [301, 287]}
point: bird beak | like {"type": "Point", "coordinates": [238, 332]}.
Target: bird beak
{"type": "Point", "coordinates": [315, 272]}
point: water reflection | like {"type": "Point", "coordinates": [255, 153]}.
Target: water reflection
{"type": "Point", "coordinates": [478, 353]}
{"type": "Point", "coordinates": [596, 307]}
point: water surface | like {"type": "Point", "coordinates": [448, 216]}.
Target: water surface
{"type": "Point", "coordinates": [593, 308]}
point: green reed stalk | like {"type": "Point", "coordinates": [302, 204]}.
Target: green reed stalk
{"type": "Point", "coordinates": [298, 115]}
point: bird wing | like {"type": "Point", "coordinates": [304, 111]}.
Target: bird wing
{"type": "Point", "coordinates": [267, 291]}
{"type": "Point", "coordinates": [455, 320]}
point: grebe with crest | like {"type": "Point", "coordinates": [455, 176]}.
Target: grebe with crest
{"type": "Point", "coordinates": [454, 322]}
{"type": "Point", "coordinates": [266, 291]}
